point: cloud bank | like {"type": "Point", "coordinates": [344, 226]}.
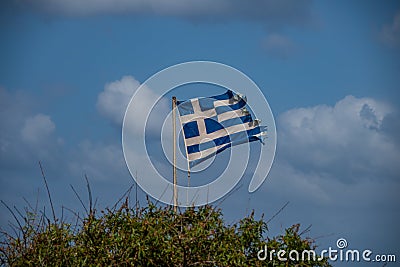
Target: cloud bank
{"type": "Point", "coordinates": [338, 166]}
{"type": "Point", "coordinates": [268, 11]}
{"type": "Point", "coordinates": [349, 141]}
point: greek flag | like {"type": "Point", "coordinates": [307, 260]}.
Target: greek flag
{"type": "Point", "coordinates": [213, 124]}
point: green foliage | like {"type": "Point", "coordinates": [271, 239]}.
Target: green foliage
{"type": "Point", "coordinates": [150, 236]}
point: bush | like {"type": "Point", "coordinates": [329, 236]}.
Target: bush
{"type": "Point", "coordinates": [149, 236]}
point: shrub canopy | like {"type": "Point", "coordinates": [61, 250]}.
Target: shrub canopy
{"type": "Point", "coordinates": [149, 236]}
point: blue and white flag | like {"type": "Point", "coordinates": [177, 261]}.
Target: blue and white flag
{"type": "Point", "coordinates": [213, 124]}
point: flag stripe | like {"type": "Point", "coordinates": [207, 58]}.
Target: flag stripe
{"type": "Point", "coordinates": [212, 125]}
{"type": "Point", "coordinates": [227, 108]}
{"type": "Point", "coordinates": [205, 154]}
{"type": "Point", "coordinates": [225, 131]}
{"type": "Point", "coordinates": [229, 115]}
{"type": "Point", "coordinates": [198, 157]}
{"type": "Point", "coordinates": [234, 137]}
{"type": "Point", "coordinates": [188, 112]}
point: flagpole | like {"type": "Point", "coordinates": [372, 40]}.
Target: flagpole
{"type": "Point", "coordinates": [187, 191]}
{"type": "Point", "coordinates": [174, 152]}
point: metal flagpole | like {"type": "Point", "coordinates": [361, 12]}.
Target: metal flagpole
{"type": "Point", "coordinates": [174, 152]}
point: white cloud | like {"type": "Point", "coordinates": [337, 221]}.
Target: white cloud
{"type": "Point", "coordinates": [271, 12]}
{"type": "Point", "coordinates": [112, 102]}
{"type": "Point", "coordinates": [279, 46]}
{"type": "Point", "coordinates": [37, 129]}
{"type": "Point", "coordinates": [390, 34]}
{"type": "Point", "coordinates": [25, 138]}
{"type": "Point", "coordinates": [346, 142]}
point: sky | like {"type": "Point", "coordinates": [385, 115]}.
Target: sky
{"type": "Point", "coordinates": [329, 69]}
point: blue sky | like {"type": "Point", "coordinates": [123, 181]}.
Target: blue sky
{"type": "Point", "coordinates": [329, 69]}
